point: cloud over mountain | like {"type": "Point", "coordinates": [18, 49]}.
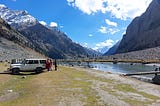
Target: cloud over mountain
{"type": "Point", "coordinates": [107, 44]}
{"type": "Point", "coordinates": [121, 9]}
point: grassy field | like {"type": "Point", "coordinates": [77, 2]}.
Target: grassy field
{"type": "Point", "coordinates": [70, 86]}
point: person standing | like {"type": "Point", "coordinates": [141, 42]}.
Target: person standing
{"type": "Point", "coordinates": [48, 65]}
{"type": "Point", "coordinates": [51, 64]}
{"type": "Point", "coordinates": [55, 64]}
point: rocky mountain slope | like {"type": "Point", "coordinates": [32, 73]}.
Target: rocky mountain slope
{"type": "Point", "coordinates": [147, 54]}
{"type": "Point", "coordinates": [13, 45]}
{"type": "Point", "coordinates": [144, 31]}
{"type": "Point", "coordinates": [53, 43]}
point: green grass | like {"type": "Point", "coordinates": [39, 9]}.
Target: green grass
{"type": "Point", "coordinates": [50, 88]}
{"type": "Point", "coordinates": [17, 85]}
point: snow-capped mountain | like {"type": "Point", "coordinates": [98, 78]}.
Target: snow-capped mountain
{"type": "Point", "coordinates": [17, 18]}
{"type": "Point", "coordinates": [51, 42]}
{"type": "Point", "coordinates": [113, 49]}
{"type": "Point", "coordinates": [103, 50]}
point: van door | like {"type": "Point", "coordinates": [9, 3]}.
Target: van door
{"type": "Point", "coordinates": [28, 66]}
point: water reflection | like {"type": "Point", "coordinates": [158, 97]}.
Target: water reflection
{"type": "Point", "coordinates": [114, 68]}
{"type": "Point", "coordinates": [122, 67]}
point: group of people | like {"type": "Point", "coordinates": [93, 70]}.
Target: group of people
{"type": "Point", "coordinates": [49, 64]}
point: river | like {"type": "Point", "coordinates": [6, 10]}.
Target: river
{"type": "Point", "coordinates": [120, 68]}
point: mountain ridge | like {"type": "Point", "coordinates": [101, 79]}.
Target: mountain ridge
{"type": "Point", "coordinates": [54, 44]}
{"type": "Point", "coordinates": [143, 32]}
{"type": "Point", "coordinates": [112, 50]}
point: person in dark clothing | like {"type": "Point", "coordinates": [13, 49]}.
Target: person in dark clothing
{"type": "Point", "coordinates": [55, 64]}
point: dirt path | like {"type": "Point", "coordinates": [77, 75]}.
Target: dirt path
{"type": "Point", "coordinates": [124, 91]}
{"type": "Point", "coordinates": [73, 86]}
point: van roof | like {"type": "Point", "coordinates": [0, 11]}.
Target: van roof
{"type": "Point", "coordinates": [36, 59]}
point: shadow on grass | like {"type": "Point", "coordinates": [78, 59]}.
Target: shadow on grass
{"type": "Point", "coordinates": [22, 73]}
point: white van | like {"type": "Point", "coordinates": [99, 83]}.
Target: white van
{"type": "Point", "coordinates": [28, 65]}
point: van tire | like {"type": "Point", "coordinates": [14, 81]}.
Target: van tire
{"type": "Point", "coordinates": [15, 71]}
{"type": "Point", "coordinates": [38, 70]}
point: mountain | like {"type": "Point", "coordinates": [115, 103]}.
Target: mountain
{"type": "Point", "coordinates": [17, 19]}
{"type": "Point", "coordinates": [113, 49]}
{"type": "Point", "coordinates": [53, 43]}
{"type": "Point", "coordinates": [92, 53]}
{"type": "Point", "coordinates": [103, 50]}
{"type": "Point", "coordinates": [144, 31]}
{"type": "Point", "coordinates": [6, 31]}
{"type": "Point", "coordinates": [14, 45]}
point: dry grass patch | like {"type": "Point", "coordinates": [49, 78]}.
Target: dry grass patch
{"type": "Point", "coordinates": [67, 86]}
{"type": "Point", "coordinates": [3, 66]}
{"type": "Point", "coordinates": [72, 86]}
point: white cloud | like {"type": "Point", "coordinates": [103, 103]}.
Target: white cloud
{"type": "Point", "coordinates": [121, 9]}
{"type": "Point", "coordinates": [103, 29]}
{"type": "Point", "coordinates": [43, 23]}
{"type": "Point", "coordinates": [53, 24]}
{"type": "Point", "coordinates": [87, 6]}
{"type": "Point", "coordinates": [61, 26]}
{"type": "Point", "coordinates": [108, 22]}
{"type": "Point", "coordinates": [124, 9]}
{"type": "Point", "coordinates": [90, 35]}
{"type": "Point", "coordinates": [14, 0]}
{"type": "Point", "coordinates": [106, 30]}
{"type": "Point", "coordinates": [108, 43]}
{"type": "Point", "coordinates": [113, 30]}
{"type": "Point", "coordinates": [70, 1]}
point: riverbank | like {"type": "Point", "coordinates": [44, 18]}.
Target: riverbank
{"type": "Point", "coordinates": [74, 86]}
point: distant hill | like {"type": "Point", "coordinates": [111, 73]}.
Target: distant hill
{"type": "Point", "coordinates": [143, 32]}
{"type": "Point", "coordinates": [53, 43]}
{"type": "Point", "coordinates": [13, 45]}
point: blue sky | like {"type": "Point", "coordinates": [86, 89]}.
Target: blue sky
{"type": "Point", "coordinates": [92, 23]}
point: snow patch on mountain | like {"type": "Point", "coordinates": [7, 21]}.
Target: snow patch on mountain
{"type": "Point", "coordinates": [16, 17]}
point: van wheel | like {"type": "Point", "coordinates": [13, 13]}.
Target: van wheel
{"type": "Point", "coordinates": [38, 70]}
{"type": "Point", "coordinates": [15, 71]}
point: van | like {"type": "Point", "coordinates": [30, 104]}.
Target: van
{"type": "Point", "coordinates": [28, 65]}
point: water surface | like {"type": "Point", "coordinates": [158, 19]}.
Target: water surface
{"type": "Point", "coordinates": [122, 67]}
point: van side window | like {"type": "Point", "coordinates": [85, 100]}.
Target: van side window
{"type": "Point", "coordinates": [30, 62]}
{"type": "Point", "coordinates": [35, 61]}
{"type": "Point", "coordinates": [42, 61]}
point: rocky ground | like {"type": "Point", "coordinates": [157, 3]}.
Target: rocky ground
{"type": "Point", "coordinates": [10, 50]}
{"type": "Point", "coordinates": [74, 86]}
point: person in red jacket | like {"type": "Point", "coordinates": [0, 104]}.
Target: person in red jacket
{"type": "Point", "coordinates": [51, 64]}
{"type": "Point", "coordinates": [48, 65]}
